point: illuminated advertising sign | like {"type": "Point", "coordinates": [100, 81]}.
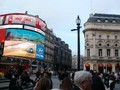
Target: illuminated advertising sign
{"type": "Point", "coordinates": [1, 20]}
{"type": "Point", "coordinates": [2, 35]}
{"type": "Point", "coordinates": [39, 52]}
{"type": "Point", "coordinates": [25, 43]}
{"type": "Point", "coordinates": [25, 20]}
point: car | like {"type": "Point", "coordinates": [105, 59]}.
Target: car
{"type": "Point", "coordinates": [30, 50]}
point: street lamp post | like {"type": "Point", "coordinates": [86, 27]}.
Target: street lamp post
{"type": "Point", "coordinates": [78, 21]}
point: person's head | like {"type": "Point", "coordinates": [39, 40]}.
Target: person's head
{"type": "Point", "coordinates": [83, 79]}
{"type": "Point", "coordinates": [16, 76]}
{"type": "Point", "coordinates": [43, 84]}
{"type": "Point", "coordinates": [45, 74]}
{"type": "Point", "coordinates": [66, 84]}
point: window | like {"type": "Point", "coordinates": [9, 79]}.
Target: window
{"type": "Point", "coordinates": [88, 52]}
{"type": "Point", "coordinates": [87, 44]}
{"type": "Point", "coordinates": [108, 44]}
{"type": "Point", "coordinates": [108, 36]}
{"type": "Point", "coordinates": [108, 52]}
{"type": "Point", "coordinates": [86, 36]}
{"type": "Point", "coordinates": [116, 52]}
{"type": "Point", "coordinates": [100, 44]}
{"type": "Point", "coordinates": [116, 45]}
{"type": "Point", "coordinates": [100, 52]}
{"type": "Point", "coordinates": [114, 21]}
{"type": "Point", "coordinates": [98, 20]}
{"type": "Point", "coordinates": [99, 36]}
{"type": "Point", "coordinates": [106, 21]}
{"type": "Point", "coordinates": [115, 37]}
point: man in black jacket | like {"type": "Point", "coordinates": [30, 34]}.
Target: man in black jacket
{"type": "Point", "coordinates": [97, 82]}
{"type": "Point", "coordinates": [14, 84]}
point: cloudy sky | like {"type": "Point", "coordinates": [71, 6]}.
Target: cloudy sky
{"type": "Point", "coordinates": [60, 15]}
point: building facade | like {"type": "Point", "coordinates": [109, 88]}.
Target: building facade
{"type": "Point", "coordinates": [62, 56]}
{"type": "Point", "coordinates": [75, 62]}
{"type": "Point", "coordinates": [23, 36]}
{"type": "Point", "coordinates": [49, 49]}
{"type": "Point", "coordinates": [102, 43]}
{"type": "Point", "coordinates": [26, 40]}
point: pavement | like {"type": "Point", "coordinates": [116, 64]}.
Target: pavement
{"type": "Point", "coordinates": [4, 83]}
{"type": "Point", "coordinates": [117, 86]}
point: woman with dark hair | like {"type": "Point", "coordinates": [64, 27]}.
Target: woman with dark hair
{"type": "Point", "coordinates": [66, 84]}
{"type": "Point", "coordinates": [97, 82]}
{"type": "Point", "coordinates": [43, 84]}
{"type": "Point", "coordinates": [8, 36]}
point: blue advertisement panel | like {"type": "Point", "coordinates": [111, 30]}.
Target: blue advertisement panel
{"type": "Point", "coordinates": [39, 52]}
{"type": "Point", "coordinates": [24, 43]}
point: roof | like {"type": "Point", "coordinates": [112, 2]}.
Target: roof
{"type": "Point", "coordinates": [101, 18]}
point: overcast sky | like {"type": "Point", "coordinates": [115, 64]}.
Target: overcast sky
{"type": "Point", "coordinates": [60, 15]}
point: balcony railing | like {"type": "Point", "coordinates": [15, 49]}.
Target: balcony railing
{"type": "Point", "coordinates": [101, 57]}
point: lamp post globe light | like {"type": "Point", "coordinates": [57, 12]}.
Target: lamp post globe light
{"type": "Point", "coordinates": [78, 22]}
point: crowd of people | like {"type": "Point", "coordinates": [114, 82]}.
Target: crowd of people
{"type": "Point", "coordinates": [86, 80]}
{"type": "Point", "coordinates": [18, 77]}
{"type": "Point", "coordinates": [21, 77]}
{"type": "Point", "coordinates": [69, 80]}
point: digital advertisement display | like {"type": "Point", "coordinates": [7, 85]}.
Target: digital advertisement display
{"type": "Point", "coordinates": [25, 43]}
{"type": "Point", "coordinates": [25, 20]}
{"type": "Point", "coordinates": [1, 20]}
{"type": "Point", "coordinates": [2, 35]}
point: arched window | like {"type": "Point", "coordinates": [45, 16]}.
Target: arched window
{"type": "Point", "coordinates": [108, 36]}
{"type": "Point", "coordinates": [108, 52]}
{"type": "Point", "coordinates": [113, 21]}
{"type": "Point", "coordinates": [106, 21]}
{"type": "Point", "coordinates": [87, 44]}
{"type": "Point", "coordinates": [100, 44]}
{"type": "Point", "coordinates": [109, 65]}
{"type": "Point", "coordinates": [108, 44]}
{"type": "Point", "coordinates": [98, 20]}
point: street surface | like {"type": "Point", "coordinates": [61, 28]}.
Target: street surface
{"type": "Point", "coordinates": [56, 83]}
{"type": "Point", "coordinates": [4, 83]}
{"type": "Point", "coordinates": [55, 80]}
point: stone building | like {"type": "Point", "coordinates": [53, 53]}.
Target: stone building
{"type": "Point", "coordinates": [75, 62]}
{"type": "Point", "coordinates": [102, 43]}
{"type": "Point", "coordinates": [57, 52]}
{"type": "Point", "coordinates": [49, 49]}
{"type": "Point", "coordinates": [62, 56]}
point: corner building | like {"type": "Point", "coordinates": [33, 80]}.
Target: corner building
{"type": "Point", "coordinates": [22, 38]}
{"type": "Point", "coordinates": [102, 43]}
{"type": "Point", "coordinates": [49, 49]}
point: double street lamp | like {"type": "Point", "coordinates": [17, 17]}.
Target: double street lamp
{"type": "Point", "coordinates": [78, 22]}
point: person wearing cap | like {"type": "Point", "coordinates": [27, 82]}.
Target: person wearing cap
{"type": "Point", "coordinates": [82, 80]}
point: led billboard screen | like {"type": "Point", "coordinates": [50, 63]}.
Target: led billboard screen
{"type": "Point", "coordinates": [2, 35]}
{"type": "Point", "coordinates": [25, 43]}
{"type": "Point", "coordinates": [24, 20]}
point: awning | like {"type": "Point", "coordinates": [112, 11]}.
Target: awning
{"type": "Point", "coordinates": [109, 65]}
{"type": "Point", "coordinates": [117, 65]}
{"type": "Point", "coordinates": [87, 65]}
{"type": "Point", "coordinates": [100, 65]}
